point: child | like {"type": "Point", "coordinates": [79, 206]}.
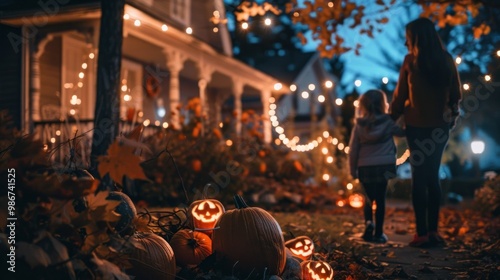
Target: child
{"type": "Point", "coordinates": [372, 157]}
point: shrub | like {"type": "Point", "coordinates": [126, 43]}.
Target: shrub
{"type": "Point", "coordinates": [487, 198]}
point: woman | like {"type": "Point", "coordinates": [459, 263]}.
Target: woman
{"type": "Point", "coordinates": [427, 95]}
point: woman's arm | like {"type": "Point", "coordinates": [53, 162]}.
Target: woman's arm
{"type": "Point", "coordinates": [402, 90]}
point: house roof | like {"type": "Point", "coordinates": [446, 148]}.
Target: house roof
{"type": "Point", "coordinates": [13, 8]}
{"type": "Point", "coordinates": [285, 68]}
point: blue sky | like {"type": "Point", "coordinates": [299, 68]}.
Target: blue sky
{"type": "Point", "coordinates": [365, 67]}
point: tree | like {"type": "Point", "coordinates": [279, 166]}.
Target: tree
{"type": "Point", "coordinates": [324, 18]}
{"type": "Point", "coordinates": [107, 107]}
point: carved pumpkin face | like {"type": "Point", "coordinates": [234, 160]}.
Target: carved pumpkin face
{"type": "Point", "coordinates": [356, 200]}
{"type": "Point", "coordinates": [316, 270]}
{"type": "Point", "coordinates": [205, 213]}
{"type": "Point", "coordinates": [301, 247]}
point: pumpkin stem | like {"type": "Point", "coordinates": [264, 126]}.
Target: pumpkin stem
{"type": "Point", "coordinates": [193, 243]}
{"type": "Point", "coordinates": [239, 202]}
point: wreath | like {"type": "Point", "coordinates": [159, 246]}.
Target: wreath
{"type": "Point", "coordinates": [152, 87]}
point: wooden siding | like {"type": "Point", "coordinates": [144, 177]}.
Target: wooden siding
{"type": "Point", "coordinates": [10, 75]}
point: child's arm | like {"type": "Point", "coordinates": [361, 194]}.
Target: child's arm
{"type": "Point", "coordinates": [353, 152]}
{"type": "Point", "coordinates": [397, 130]}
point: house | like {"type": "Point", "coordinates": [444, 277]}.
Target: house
{"type": "Point", "coordinates": [309, 107]}
{"type": "Point", "coordinates": [171, 52]}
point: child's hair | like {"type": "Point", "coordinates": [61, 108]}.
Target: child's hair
{"type": "Point", "coordinates": [372, 103]}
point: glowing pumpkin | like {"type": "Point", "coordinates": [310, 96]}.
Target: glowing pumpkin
{"type": "Point", "coordinates": [356, 200]}
{"type": "Point", "coordinates": [301, 247]}
{"type": "Point", "coordinates": [205, 213]}
{"type": "Point", "coordinates": [316, 270]}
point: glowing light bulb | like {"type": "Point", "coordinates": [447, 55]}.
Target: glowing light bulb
{"type": "Point", "coordinates": [458, 60]}
{"type": "Point", "coordinates": [165, 125]}
{"type": "Point", "coordinates": [91, 55]}
{"type": "Point", "coordinates": [278, 86]}
{"type": "Point", "coordinates": [328, 84]}
{"type": "Point", "coordinates": [244, 25]}
{"type": "Point", "coordinates": [305, 94]}
{"type": "Point", "coordinates": [84, 65]}
{"type": "Point", "coordinates": [326, 177]}
{"type": "Point", "coordinates": [311, 87]}
{"type": "Point", "coordinates": [339, 101]}
{"type": "Point", "coordinates": [164, 28]}
{"type": "Point", "coordinates": [267, 21]}
{"type": "Point", "coordinates": [293, 87]}
{"type": "Point", "coordinates": [126, 16]}
{"type": "Point", "coordinates": [329, 159]}
{"type": "Point", "coordinates": [189, 30]}
{"type": "Point", "coordinates": [357, 83]}
{"type": "Point", "coordinates": [487, 78]}
{"type": "Point", "coordinates": [385, 80]}
{"type": "Point", "coordinates": [321, 98]}
{"type": "Point", "coordinates": [466, 86]}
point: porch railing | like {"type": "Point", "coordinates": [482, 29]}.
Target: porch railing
{"type": "Point", "coordinates": [59, 136]}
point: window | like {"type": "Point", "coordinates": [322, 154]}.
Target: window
{"type": "Point", "coordinates": [77, 78]}
{"type": "Point", "coordinates": [181, 11]}
{"type": "Point", "coordinates": [130, 90]}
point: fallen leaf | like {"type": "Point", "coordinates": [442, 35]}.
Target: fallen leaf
{"type": "Point", "coordinates": [120, 162]}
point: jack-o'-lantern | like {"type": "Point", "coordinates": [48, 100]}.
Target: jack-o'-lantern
{"type": "Point", "coordinates": [316, 270]}
{"type": "Point", "coordinates": [205, 213]}
{"type": "Point", "coordinates": [356, 200]}
{"type": "Point", "coordinates": [302, 247]}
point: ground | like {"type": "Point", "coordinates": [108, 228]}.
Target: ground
{"type": "Point", "coordinates": [471, 252]}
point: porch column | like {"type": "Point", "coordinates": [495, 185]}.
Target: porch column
{"type": "Point", "coordinates": [205, 76]}
{"type": "Point", "coordinates": [265, 95]}
{"type": "Point", "coordinates": [238, 92]}
{"type": "Point", "coordinates": [36, 51]}
{"type": "Point", "coordinates": [175, 62]}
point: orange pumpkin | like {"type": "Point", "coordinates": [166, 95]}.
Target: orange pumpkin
{"type": "Point", "coordinates": [249, 240]}
{"type": "Point", "coordinates": [203, 214]}
{"type": "Point", "coordinates": [196, 165]}
{"type": "Point", "coordinates": [316, 270]}
{"type": "Point", "coordinates": [301, 247]}
{"type": "Point", "coordinates": [155, 260]}
{"type": "Point", "coordinates": [262, 167]}
{"type": "Point", "coordinates": [190, 247]}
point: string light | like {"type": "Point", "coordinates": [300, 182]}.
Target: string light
{"type": "Point", "coordinates": [311, 87]}
{"type": "Point", "coordinates": [339, 101]}
{"type": "Point", "coordinates": [357, 83]}
{"type": "Point", "coordinates": [146, 122]}
{"type": "Point", "coordinates": [229, 142]}
{"type": "Point", "coordinates": [385, 80]}
{"type": "Point", "coordinates": [165, 125]}
{"type": "Point", "coordinates": [278, 86]}
{"type": "Point", "coordinates": [328, 84]}
{"type": "Point", "coordinates": [498, 53]}
{"type": "Point", "coordinates": [137, 23]}
{"type": "Point", "coordinates": [126, 16]}
{"type": "Point", "coordinates": [458, 60]}
{"type": "Point", "coordinates": [244, 25]}
{"type": "Point", "coordinates": [329, 159]}
{"type": "Point", "coordinates": [157, 123]}
{"type": "Point", "coordinates": [267, 21]}
{"type": "Point", "coordinates": [349, 186]}
{"type": "Point", "coordinates": [293, 87]}
{"type": "Point", "coordinates": [164, 28]}
{"type": "Point", "coordinates": [487, 78]}
{"type": "Point", "coordinates": [189, 30]}
{"type": "Point", "coordinates": [466, 86]}
{"type": "Point", "coordinates": [305, 94]}
{"type": "Point", "coordinates": [326, 177]}
{"type": "Point", "coordinates": [321, 98]}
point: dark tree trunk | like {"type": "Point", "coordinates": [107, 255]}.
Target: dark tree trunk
{"type": "Point", "coordinates": [107, 106]}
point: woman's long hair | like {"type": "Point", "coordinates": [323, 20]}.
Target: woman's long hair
{"type": "Point", "coordinates": [431, 57]}
{"type": "Point", "coordinates": [371, 104]}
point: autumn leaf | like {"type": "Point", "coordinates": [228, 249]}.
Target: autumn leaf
{"type": "Point", "coordinates": [102, 209]}
{"type": "Point", "coordinates": [120, 162]}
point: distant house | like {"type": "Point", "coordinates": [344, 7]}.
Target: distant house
{"type": "Point", "coordinates": [301, 72]}
{"type": "Point", "coordinates": [171, 51]}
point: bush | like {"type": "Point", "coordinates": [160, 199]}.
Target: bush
{"type": "Point", "coordinates": [487, 198]}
